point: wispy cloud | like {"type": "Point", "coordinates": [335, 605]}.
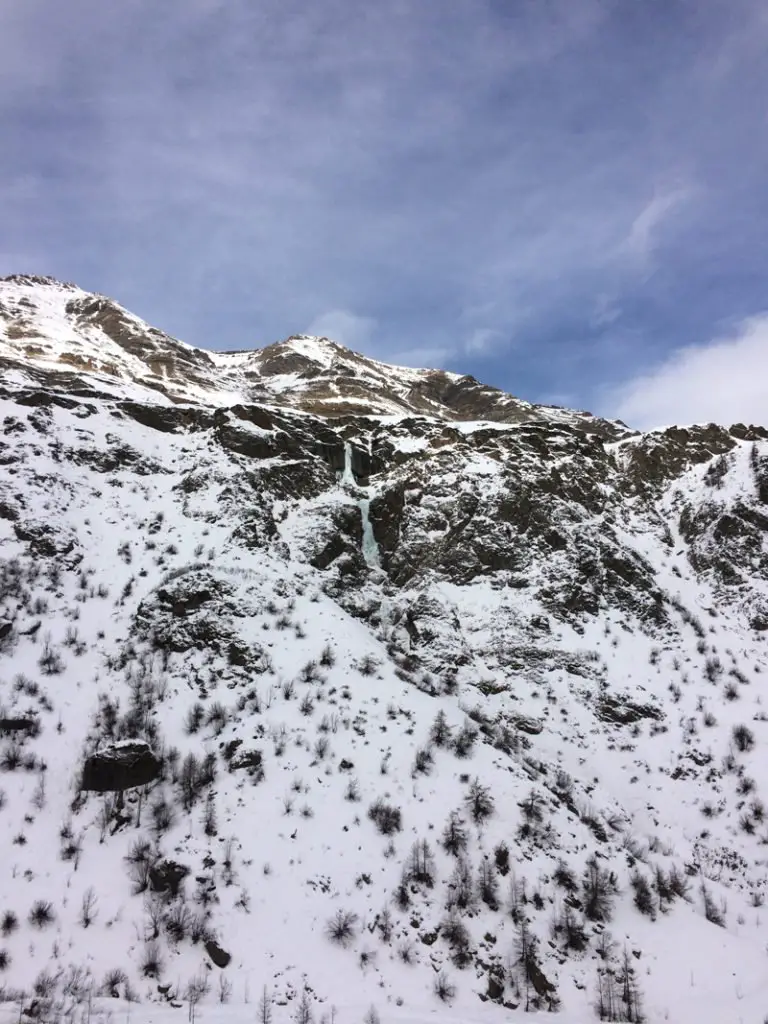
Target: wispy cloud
{"type": "Point", "coordinates": [645, 230]}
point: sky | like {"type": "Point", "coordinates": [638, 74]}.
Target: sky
{"type": "Point", "coordinates": [566, 199]}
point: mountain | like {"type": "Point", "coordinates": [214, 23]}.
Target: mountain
{"type": "Point", "coordinates": [75, 340]}
{"type": "Point", "coordinates": [375, 689]}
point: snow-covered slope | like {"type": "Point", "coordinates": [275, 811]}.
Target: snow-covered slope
{"type": "Point", "coordinates": [396, 717]}
{"type": "Point", "coordinates": [90, 342]}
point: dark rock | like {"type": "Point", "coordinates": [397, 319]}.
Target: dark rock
{"type": "Point", "coordinates": [120, 766]}
{"type": "Point", "coordinates": [167, 876]}
{"type": "Point", "coordinates": [624, 711]}
{"type": "Point", "coordinates": [219, 956]}
{"type": "Point", "coordinates": [30, 726]}
{"type": "Point", "coordinates": [495, 988]}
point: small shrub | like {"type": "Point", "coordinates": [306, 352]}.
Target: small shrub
{"type": "Point", "coordinates": [113, 979]}
{"type": "Point", "coordinates": [643, 899]}
{"type": "Point", "coordinates": [151, 960]}
{"type": "Point", "coordinates": [327, 657]}
{"type": "Point", "coordinates": [342, 927]}
{"type": "Point", "coordinates": [387, 819]}
{"type": "Point", "coordinates": [195, 718]}
{"type": "Point", "coordinates": [464, 741]}
{"type": "Point", "coordinates": [743, 738]}
{"type": "Point", "coordinates": [713, 913]}
{"type": "Point", "coordinates": [41, 914]}
{"type": "Point", "coordinates": [423, 761]}
{"type": "Point", "coordinates": [444, 989]}
{"type": "Point", "coordinates": [501, 858]}
{"type": "Point", "coordinates": [5, 959]}
{"type": "Point", "coordinates": [8, 923]}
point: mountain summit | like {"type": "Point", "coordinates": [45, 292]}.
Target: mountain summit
{"type": "Point", "coordinates": [58, 328]}
{"type": "Point", "coordinates": [337, 691]}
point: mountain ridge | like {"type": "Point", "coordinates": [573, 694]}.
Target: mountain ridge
{"type": "Point", "coordinates": [60, 326]}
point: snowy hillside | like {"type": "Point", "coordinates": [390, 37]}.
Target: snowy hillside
{"type": "Point", "coordinates": [369, 716]}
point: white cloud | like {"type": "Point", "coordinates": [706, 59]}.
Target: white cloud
{"type": "Point", "coordinates": [345, 327]}
{"type": "Point", "coordinates": [724, 381]}
{"type": "Point", "coordinates": [483, 339]}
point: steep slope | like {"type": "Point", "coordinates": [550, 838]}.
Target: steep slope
{"type": "Point", "coordinates": [377, 711]}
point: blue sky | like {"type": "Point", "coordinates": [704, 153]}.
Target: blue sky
{"type": "Point", "coordinates": [566, 198]}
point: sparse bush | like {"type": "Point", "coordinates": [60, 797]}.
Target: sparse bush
{"type": "Point", "coordinates": [178, 921]}
{"type": "Point", "coordinates": [8, 923]}
{"type": "Point", "coordinates": [113, 979]}
{"type": "Point", "coordinates": [643, 897]}
{"type": "Point", "coordinates": [342, 927]}
{"type": "Point", "coordinates": [5, 959]}
{"type": "Point", "coordinates": [743, 738]}
{"type": "Point", "coordinates": [11, 756]}
{"type": "Point", "coordinates": [713, 913]}
{"type": "Point", "coordinates": [456, 934]}
{"type": "Point", "coordinates": [713, 668]}
{"type": "Point", "coordinates": [564, 877]}
{"type": "Point", "coordinates": [327, 657]}
{"type": "Point", "coordinates": [387, 819]}
{"type": "Point", "coordinates": [423, 761]}
{"type": "Point", "coordinates": [444, 989]}
{"type": "Point", "coordinates": [41, 914]}
{"type": "Point", "coordinates": [195, 718]}
{"type": "Point", "coordinates": [464, 741]}
{"type": "Point", "coordinates": [152, 962]}
{"type": "Point", "coordinates": [216, 717]}
{"type": "Point", "coordinates": [406, 953]}
{"type": "Point", "coordinates": [367, 665]}
{"type": "Point", "coordinates": [501, 858]}
{"type": "Point", "coordinates": [162, 814]}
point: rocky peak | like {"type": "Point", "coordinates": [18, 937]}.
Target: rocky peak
{"type": "Point", "coordinates": [80, 341]}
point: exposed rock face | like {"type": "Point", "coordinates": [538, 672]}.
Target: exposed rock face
{"type": "Point", "coordinates": [121, 766]}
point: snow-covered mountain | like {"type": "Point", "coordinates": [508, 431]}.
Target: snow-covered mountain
{"type": "Point", "coordinates": [90, 342]}
{"type": "Point", "coordinates": [376, 690]}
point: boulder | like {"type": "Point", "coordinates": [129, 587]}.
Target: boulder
{"type": "Point", "coordinates": [218, 955]}
{"type": "Point", "coordinates": [120, 766]}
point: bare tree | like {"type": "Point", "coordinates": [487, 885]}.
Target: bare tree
{"type": "Point", "coordinates": [304, 1013]}
{"type": "Point", "coordinates": [265, 1007]}
{"type": "Point", "coordinates": [88, 907]}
